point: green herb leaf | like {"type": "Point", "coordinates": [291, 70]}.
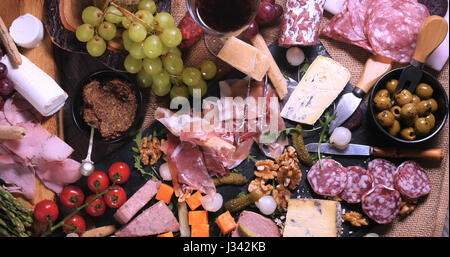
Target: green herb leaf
{"type": "Point", "coordinates": [251, 158]}
{"type": "Point", "coordinates": [302, 70]}
{"type": "Point", "coordinates": [138, 138]}
{"type": "Point", "coordinates": [236, 170]}
{"type": "Point", "coordinates": [135, 149]}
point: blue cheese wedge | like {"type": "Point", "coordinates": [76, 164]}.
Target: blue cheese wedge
{"type": "Point", "coordinates": [319, 87]}
{"type": "Point", "coordinates": [313, 218]}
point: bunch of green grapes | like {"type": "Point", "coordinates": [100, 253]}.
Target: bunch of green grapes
{"type": "Point", "coordinates": [151, 40]}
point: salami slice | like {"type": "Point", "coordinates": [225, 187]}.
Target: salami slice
{"type": "Point", "coordinates": [329, 181]}
{"type": "Point", "coordinates": [382, 204]}
{"type": "Point", "coordinates": [392, 26]}
{"type": "Point", "coordinates": [382, 172]}
{"type": "Point", "coordinates": [301, 22]}
{"type": "Point", "coordinates": [411, 180]}
{"type": "Point", "coordinates": [359, 181]}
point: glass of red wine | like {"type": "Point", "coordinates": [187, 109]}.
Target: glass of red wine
{"type": "Point", "coordinates": [221, 19]}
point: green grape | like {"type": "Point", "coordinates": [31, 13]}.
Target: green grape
{"type": "Point", "coordinates": [176, 80]}
{"type": "Point", "coordinates": [164, 20]}
{"type": "Point", "coordinates": [161, 84]}
{"type": "Point", "coordinates": [173, 64]}
{"type": "Point", "coordinates": [146, 16]}
{"type": "Point", "coordinates": [208, 69]}
{"type": "Point", "coordinates": [107, 30]}
{"type": "Point", "coordinates": [126, 22]}
{"type": "Point", "coordinates": [127, 42]}
{"type": "Point", "coordinates": [171, 36]}
{"type": "Point", "coordinates": [153, 66]}
{"type": "Point", "coordinates": [91, 15]}
{"type": "Point", "coordinates": [165, 49]}
{"type": "Point", "coordinates": [85, 32]}
{"type": "Point", "coordinates": [175, 50]}
{"type": "Point", "coordinates": [96, 46]}
{"type": "Point", "coordinates": [179, 90]}
{"type": "Point", "coordinates": [191, 76]}
{"type": "Point", "coordinates": [113, 15]}
{"type": "Point", "coordinates": [137, 50]}
{"type": "Point", "coordinates": [147, 5]}
{"type": "Point", "coordinates": [153, 47]}
{"type": "Point", "coordinates": [137, 32]}
{"type": "Point", "coordinates": [132, 65]}
{"type": "Point", "coordinates": [144, 79]}
{"type": "Point", "coordinates": [202, 86]}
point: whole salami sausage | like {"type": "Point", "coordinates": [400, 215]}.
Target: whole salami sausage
{"type": "Point", "coordinates": [329, 181]}
{"type": "Point", "coordinates": [411, 180]}
{"type": "Point", "coordinates": [382, 204]}
{"type": "Point", "coordinates": [301, 22]}
{"type": "Point", "coordinates": [359, 181]}
{"type": "Point", "coordinates": [382, 172]}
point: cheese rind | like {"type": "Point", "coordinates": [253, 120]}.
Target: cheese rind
{"type": "Point", "coordinates": [313, 218]}
{"type": "Point", "coordinates": [245, 58]}
{"type": "Point", "coordinates": [319, 87]}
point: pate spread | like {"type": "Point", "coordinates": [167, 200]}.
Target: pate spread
{"type": "Point", "coordinates": [110, 107]}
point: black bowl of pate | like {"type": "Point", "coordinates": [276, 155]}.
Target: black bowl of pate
{"type": "Point", "coordinates": [111, 103]}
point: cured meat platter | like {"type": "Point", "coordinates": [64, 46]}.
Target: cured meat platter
{"type": "Point", "coordinates": [185, 122]}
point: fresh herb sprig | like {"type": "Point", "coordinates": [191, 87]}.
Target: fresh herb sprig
{"type": "Point", "coordinates": [272, 137]}
{"type": "Point", "coordinates": [325, 122]}
{"type": "Point", "coordinates": [138, 158]}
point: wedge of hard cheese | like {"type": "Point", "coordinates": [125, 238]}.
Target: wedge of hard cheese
{"type": "Point", "coordinates": [245, 58]}
{"type": "Point", "coordinates": [319, 87]}
{"type": "Point", "coordinates": [313, 218]}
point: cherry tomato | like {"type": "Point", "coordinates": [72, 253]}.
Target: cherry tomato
{"type": "Point", "coordinates": [98, 182]}
{"type": "Point", "coordinates": [97, 207]}
{"type": "Point", "coordinates": [115, 197]}
{"type": "Point", "coordinates": [71, 196]}
{"type": "Point", "coordinates": [119, 171]}
{"type": "Point", "coordinates": [77, 221]}
{"type": "Point", "coordinates": [46, 210]}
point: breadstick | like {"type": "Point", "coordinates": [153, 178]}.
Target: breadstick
{"type": "Point", "coordinates": [275, 75]}
{"type": "Point", "coordinates": [8, 43]}
{"type": "Point", "coordinates": [12, 132]}
{"type": "Point", "coordinates": [100, 231]}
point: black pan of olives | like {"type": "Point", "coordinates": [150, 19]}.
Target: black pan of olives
{"type": "Point", "coordinates": [408, 117]}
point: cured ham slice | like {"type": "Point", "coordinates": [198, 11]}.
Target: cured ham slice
{"type": "Point", "coordinates": [55, 174]}
{"type": "Point", "coordinates": [18, 110]}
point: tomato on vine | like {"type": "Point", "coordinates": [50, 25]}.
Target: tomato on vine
{"type": "Point", "coordinates": [97, 207]}
{"type": "Point", "coordinates": [71, 196]}
{"type": "Point", "coordinates": [46, 211]}
{"type": "Point", "coordinates": [76, 224]}
{"type": "Point", "coordinates": [98, 182]}
{"type": "Point", "coordinates": [116, 197]}
{"type": "Point", "coordinates": [119, 172]}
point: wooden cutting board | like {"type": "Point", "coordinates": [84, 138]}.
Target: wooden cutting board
{"type": "Point", "coordinates": [42, 56]}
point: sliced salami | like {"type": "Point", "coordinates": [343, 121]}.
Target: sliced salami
{"type": "Point", "coordinates": [382, 204]}
{"type": "Point", "coordinates": [329, 181]}
{"type": "Point", "coordinates": [301, 22]}
{"type": "Point", "coordinates": [359, 181]}
{"type": "Point", "coordinates": [411, 180]}
{"type": "Point", "coordinates": [392, 27]}
{"type": "Point", "coordinates": [382, 172]}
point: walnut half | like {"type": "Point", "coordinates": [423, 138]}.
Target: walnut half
{"type": "Point", "coordinates": [289, 174]}
{"type": "Point", "coordinates": [356, 219]}
{"type": "Point", "coordinates": [281, 196]}
{"type": "Point", "coordinates": [149, 149]}
{"type": "Point", "coordinates": [266, 169]}
{"type": "Point", "coordinates": [407, 207]}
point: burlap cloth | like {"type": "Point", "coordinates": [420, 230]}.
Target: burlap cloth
{"type": "Point", "coordinates": [429, 217]}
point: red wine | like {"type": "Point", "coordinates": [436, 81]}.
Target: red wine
{"type": "Point", "coordinates": [226, 15]}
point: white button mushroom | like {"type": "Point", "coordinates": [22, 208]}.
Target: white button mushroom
{"type": "Point", "coordinates": [266, 205]}
{"type": "Point", "coordinates": [295, 56]}
{"type": "Point", "coordinates": [341, 137]}
{"type": "Point", "coordinates": [165, 172]}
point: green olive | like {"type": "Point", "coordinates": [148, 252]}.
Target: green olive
{"type": "Point", "coordinates": [395, 128]}
{"type": "Point", "coordinates": [422, 127]}
{"type": "Point", "coordinates": [408, 111]}
{"type": "Point", "coordinates": [391, 85]}
{"type": "Point", "coordinates": [434, 104]}
{"type": "Point", "coordinates": [409, 122]}
{"type": "Point", "coordinates": [424, 108]}
{"type": "Point", "coordinates": [386, 118]}
{"type": "Point", "coordinates": [382, 93]}
{"type": "Point", "coordinates": [396, 110]}
{"type": "Point", "coordinates": [415, 99]}
{"type": "Point", "coordinates": [408, 133]}
{"type": "Point", "coordinates": [382, 103]}
{"type": "Point", "coordinates": [404, 97]}
{"type": "Point", "coordinates": [424, 91]}
{"type": "Point", "coordinates": [431, 119]}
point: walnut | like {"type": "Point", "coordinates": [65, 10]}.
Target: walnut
{"type": "Point", "coordinates": [266, 169]}
{"type": "Point", "coordinates": [281, 196]}
{"type": "Point", "coordinates": [289, 174]}
{"type": "Point", "coordinates": [356, 219]}
{"type": "Point", "coordinates": [185, 195]}
{"type": "Point", "coordinates": [150, 148]}
{"type": "Point", "coordinates": [261, 184]}
{"type": "Point", "coordinates": [407, 207]}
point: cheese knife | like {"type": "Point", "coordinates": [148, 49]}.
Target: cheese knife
{"type": "Point", "coordinates": [375, 68]}
{"type": "Point", "coordinates": [390, 152]}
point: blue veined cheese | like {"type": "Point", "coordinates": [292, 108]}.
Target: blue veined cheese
{"type": "Point", "coordinates": [313, 218]}
{"type": "Point", "coordinates": [319, 87]}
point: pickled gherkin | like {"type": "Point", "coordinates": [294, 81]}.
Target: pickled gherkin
{"type": "Point", "coordinates": [231, 179]}
{"type": "Point", "coordinates": [240, 203]}
{"type": "Point", "coordinates": [300, 148]}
